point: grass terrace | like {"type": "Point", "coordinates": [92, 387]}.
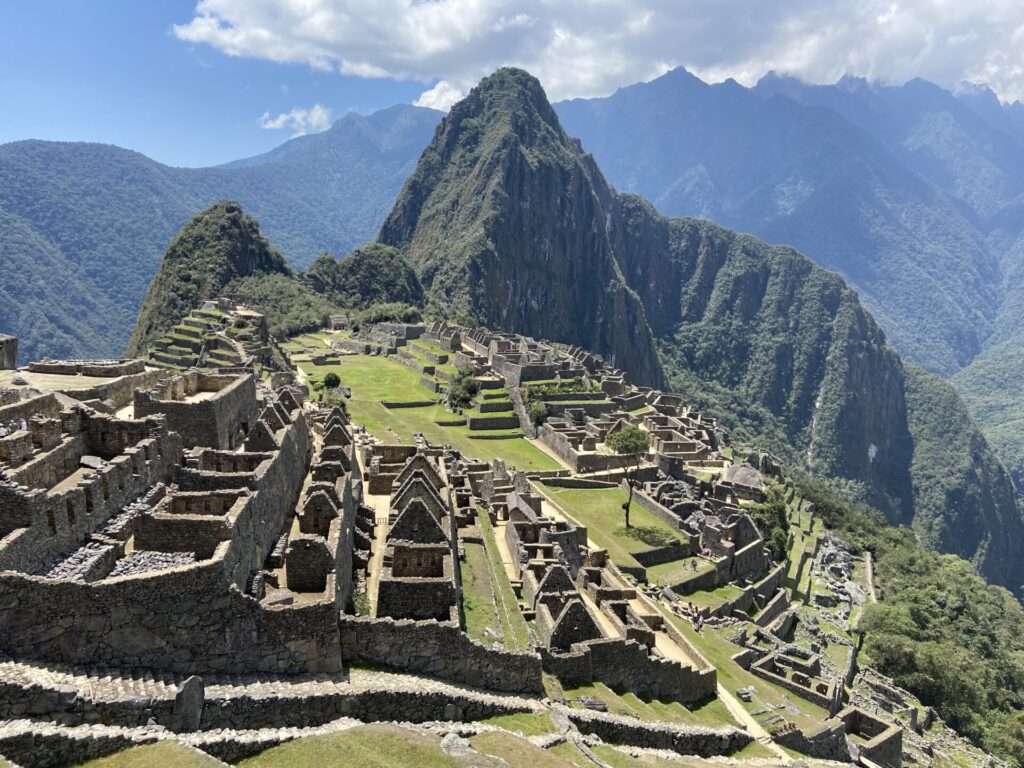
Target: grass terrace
{"type": "Point", "coordinates": [374, 379]}
{"type": "Point", "coordinates": [600, 510]}
{"type": "Point", "coordinates": [711, 713]}
{"type": "Point", "coordinates": [678, 571]}
{"type": "Point", "coordinates": [714, 645]}
{"type": "Point", "coordinates": [714, 598]}
{"type": "Point", "coordinates": [369, 746]}
{"type": "Point", "coordinates": [515, 631]}
{"type": "Point", "coordinates": [166, 754]}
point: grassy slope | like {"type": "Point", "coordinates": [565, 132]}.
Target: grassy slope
{"type": "Point", "coordinates": [373, 379]}
{"type": "Point", "coordinates": [600, 510]}
{"type": "Point", "coordinates": [166, 754]}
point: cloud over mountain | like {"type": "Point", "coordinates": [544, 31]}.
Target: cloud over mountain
{"type": "Point", "coordinates": [590, 47]}
{"type": "Point", "coordinates": [301, 121]}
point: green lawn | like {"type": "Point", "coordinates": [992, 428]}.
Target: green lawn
{"type": "Point", "coordinates": [478, 603]}
{"type": "Point", "coordinates": [514, 629]}
{"type": "Point", "coordinates": [677, 571]}
{"type": "Point", "coordinates": [717, 649]}
{"type": "Point", "coordinates": [600, 510]}
{"type": "Point", "coordinates": [166, 754]}
{"type": "Point", "coordinates": [373, 379]}
{"type": "Point", "coordinates": [368, 746]}
{"type": "Point", "coordinates": [515, 752]}
{"type": "Point", "coordinates": [714, 598]}
{"type": "Point", "coordinates": [711, 713]}
{"type": "Point", "coordinates": [526, 723]}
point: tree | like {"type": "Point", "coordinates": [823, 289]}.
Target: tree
{"type": "Point", "coordinates": [632, 443]}
{"type": "Point", "coordinates": [332, 380]}
{"type": "Point", "coordinates": [538, 412]}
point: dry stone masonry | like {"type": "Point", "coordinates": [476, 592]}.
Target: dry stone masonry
{"type": "Point", "coordinates": [192, 548]}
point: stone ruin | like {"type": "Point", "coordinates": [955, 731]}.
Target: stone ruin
{"type": "Point", "coordinates": [8, 352]}
{"type": "Point", "coordinates": [241, 547]}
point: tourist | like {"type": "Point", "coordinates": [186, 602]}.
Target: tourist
{"type": "Point", "coordinates": [3, 431]}
{"type": "Point", "coordinates": [23, 425]}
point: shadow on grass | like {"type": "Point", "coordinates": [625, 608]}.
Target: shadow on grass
{"type": "Point", "coordinates": [650, 535]}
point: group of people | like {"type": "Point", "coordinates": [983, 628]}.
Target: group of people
{"type": "Point", "coordinates": [696, 617]}
{"type": "Point", "coordinates": [13, 426]}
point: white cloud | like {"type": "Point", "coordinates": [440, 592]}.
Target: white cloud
{"type": "Point", "coordinates": [441, 96]}
{"type": "Point", "coordinates": [301, 121]}
{"type": "Point", "coordinates": [590, 47]}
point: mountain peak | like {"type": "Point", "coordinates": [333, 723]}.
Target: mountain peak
{"type": "Point", "coordinates": [214, 247]}
{"type": "Point", "coordinates": [503, 219]}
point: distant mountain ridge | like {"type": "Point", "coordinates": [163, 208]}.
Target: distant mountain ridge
{"type": "Point", "coordinates": [83, 226]}
{"type": "Point", "coordinates": [913, 193]}
{"type": "Point", "coordinates": [509, 223]}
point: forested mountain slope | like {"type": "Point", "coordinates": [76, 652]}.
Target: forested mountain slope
{"type": "Point", "coordinates": [913, 193]}
{"type": "Point", "coordinates": [509, 223]}
{"type": "Point", "coordinates": [812, 179]}
{"type": "Point", "coordinates": [83, 226]}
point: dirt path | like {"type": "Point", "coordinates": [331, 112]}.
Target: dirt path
{"type": "Point", "coordinates": [869, 577]}
{"type": "Point", "coordinates": [380, 505]}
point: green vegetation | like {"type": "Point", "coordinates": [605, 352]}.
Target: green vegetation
{"type": "Point", "coordinates": [515, 752]}
{"type": "Point", "coordinates": [373, 379]}
{"type": "Point", "coordinates": [166, 754]}
{"type": "Point", "coordinates": [513, 624]}
{"type": "Point", "coordinates": [373, 274]}
{"type": "Point", "coordinates": [83, 226]}
{"type": "Point", "coordinates": [462, 389]}
{"type": "Point", "coordinates": [478, 601]}
{"type": "Point", "coordinates": [940, 631]}
{"type": "Point", "coordinates": [631, 443]}
{"type": "Point", "coordinates": [993, 389]}
{"type": "Point", "coordinates": [537, 411]}
{"type": "Point", "coordinates": [772, 520]}
{"type": "Point", "coordinates": [216, 246]}
{"type": "Point", "coordinates": [369, 746]}
{"type": "Point", "coordinates": [600, 510]}
{"type": "Point", "coordinates": [289, 305]}
{"type": "Point", "coordinates": [331, 380]}
{"type": "Point", "coordinates": [526, 723]}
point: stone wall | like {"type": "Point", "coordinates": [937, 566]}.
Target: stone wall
{"type": "Point", "coordinates": [477, 423]}
{"type": "Point", "coordinates": [116, 393]}
{"type": "Point", "coordinates": [426, 598]}
{"type": "Point", "coordinates": [682, 739]}
{"type": "Point", "coordinates": [182, 619]}
{"type": "Point", "coordinates": [42, 526]}
{"type": "Point", "coordinates": [826, 742]}
{"type": "Point", "coordinates": [8, 352]}
{"type": "Point", "coordinates": [627, 664]}
{"type": "Point", "coordinates": [440, 650]}
{"type": "Point", "coordinates": [191, 618]}
{"type": "Point", "coordinates": [45, 406]}
{"type": "Point", "coordinates": [214, 422]}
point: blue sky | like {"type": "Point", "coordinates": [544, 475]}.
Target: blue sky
{"type": "Point", "coordinates": [188, 81]}
{"type": "Point", "coordinates": [113, 72]}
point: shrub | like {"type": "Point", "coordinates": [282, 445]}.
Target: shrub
{"type": "Point", "coordinates": [538, 412]}
{"type": "Point", "coordinates": [332, 380]}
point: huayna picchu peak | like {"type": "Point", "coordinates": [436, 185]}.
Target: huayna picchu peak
{"type": "Point", "coordinates": [537, 476]}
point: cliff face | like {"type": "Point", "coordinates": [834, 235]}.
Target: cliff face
{"type": "Point", "coordinates": [216, 246]}
{"type": "Point", "coordinates": [503, 219]}
{"type": "Point", "coordinates": [779, 332]}
{"type": "Point", "coordinates": [510, 224]}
